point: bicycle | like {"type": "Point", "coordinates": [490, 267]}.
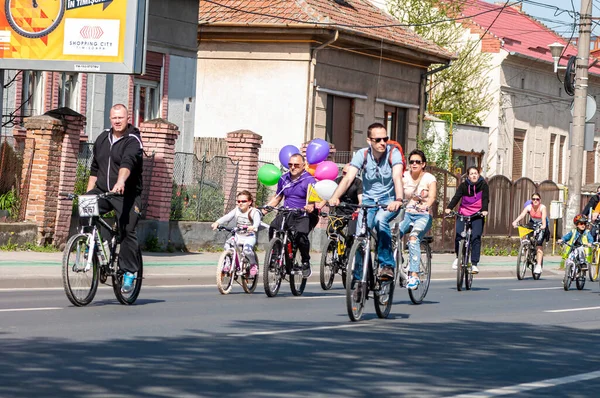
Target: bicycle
{"type": "Point", "coordinates": [233, 263]}
{"type": "Point", "coordinates": [594, 267]}
{"type": "Point", "coordinates": [417, 295]}
{"type": "Point", "coordinates": [464, 272]}
{"type": "Point", "coordinates": [280, 257]}
{"type": "Point", "coordinates": [90, 259]}
{"type": "Point", "coordinates": [334, 258]}
{"type": "Point", "coordinates": [359, 260]}
{"type": "Point", "coordinates": [52, 11]}
{"type": "Point", "coordinates": [527, 252]}
{"type": "Point", "coordinates": [574, 270]}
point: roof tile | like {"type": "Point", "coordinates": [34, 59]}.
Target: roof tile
{"type": "Point", "coordinates": [351, 15]}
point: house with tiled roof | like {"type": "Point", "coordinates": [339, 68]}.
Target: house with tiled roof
{"type": "Point", "coordinates": [530, 120]}
{"type": "Point", "coordinates": [293, 70]}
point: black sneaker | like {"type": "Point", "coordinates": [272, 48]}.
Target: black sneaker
{"type": "Point", "coordinates": [306, 271]}
{"type": "Point", "coordinates": [386, 272]}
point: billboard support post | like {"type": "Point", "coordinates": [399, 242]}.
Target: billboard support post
{"type": "Point", "coordinates": [1, 101]}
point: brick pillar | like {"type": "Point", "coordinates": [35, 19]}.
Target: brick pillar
{"type": "Point", "coordinates": [159, 136]}
{"type": "Point", "coordinates": [243, 147]}
{"type": "Point", "coordinates": [47, 134]}
{"type": "Point", "coordinates": [74, 127]}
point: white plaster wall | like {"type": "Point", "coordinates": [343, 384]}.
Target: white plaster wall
{"type": "Point", "coordinates": [237, 90]}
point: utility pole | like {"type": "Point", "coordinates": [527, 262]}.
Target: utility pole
{"type": "Point", "coordinates": [578, 132]}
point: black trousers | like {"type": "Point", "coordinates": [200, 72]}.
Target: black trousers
{"type": "Point", "coordinates": [301, 225]}
{"type": "Point", "coordinates": [128, 210]}
{"type": "Point", "coordinates": [476, 232]}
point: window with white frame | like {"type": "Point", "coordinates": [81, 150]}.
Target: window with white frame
{"type": "Point", "coordinates": [68, 92]}
{"type": "Point", "coordinates": [146, 104]}
{"type": "Point", "coordinates": [32, 97]}
{"type": "Point", "coordinates": [148, 89]}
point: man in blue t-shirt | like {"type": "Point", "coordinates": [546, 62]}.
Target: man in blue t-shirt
{"type": "Point", "coordinates": [292, 188]}
{"type": "Point", "coordinates": [381, 167]}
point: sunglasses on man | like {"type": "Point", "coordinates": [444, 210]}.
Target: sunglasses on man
{"type": "Point", "coordinates": [379, 139]}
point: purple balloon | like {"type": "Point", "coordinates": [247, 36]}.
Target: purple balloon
{"type": "Point", "coordinates": [326, 170]}
{"type": "Point", "coordinates": [317, 151]}
{"type": "Point", "coordinates": [285, 153]}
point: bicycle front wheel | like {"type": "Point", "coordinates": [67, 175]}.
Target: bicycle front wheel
{"type": "Point", "coordinates": [297, 281]}
{"type": "Point", "coordinates": [327, 271]}
{"type": "Point", "coordinates": [117, 281]}
{"type": "Point", "coordinates": [249, 282]}
{"type": "Point", "coordinates": [79, 281]}
{"type": "Point", "coordinates": [594, 267]}
{"type": "Point", "coordinates": [417, 295]}
{"type": "Point", "coordinates": [460, 270]}
{"type": "Point", "coordinates": [34, 22]}
{"type": "Point", "coordinates": [567, 279]}
{"type": "Point", "coordinates": [273, 265]}
{"type": "Point", "coordinates": [580, 278]}
{"type": "Point", "coordinates": [522, 261]}
{"type": "Point", "coordinates": [355, 290]}
{"type": "Point", "coordinates": [225, 272]}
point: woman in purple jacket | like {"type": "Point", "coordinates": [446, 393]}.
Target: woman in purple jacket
{"type": "Point", "coordinates": [475, 195]}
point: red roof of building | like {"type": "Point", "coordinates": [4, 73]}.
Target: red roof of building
{"type": "Point", "coordinates": [359, 16]}
{"type": "Point", "coordinates": [519, 32]}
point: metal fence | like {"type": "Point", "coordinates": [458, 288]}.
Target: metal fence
{"type": "Point", "coordinates": [200, 190]}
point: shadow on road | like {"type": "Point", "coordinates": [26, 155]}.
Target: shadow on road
{"type": "Point", "coordinates": [376, 358]}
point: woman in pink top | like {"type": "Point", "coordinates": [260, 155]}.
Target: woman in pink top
{"type": "Point", "coordinates": [537, 222]}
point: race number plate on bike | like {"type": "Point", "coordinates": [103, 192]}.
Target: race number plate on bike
{"type": "Point", "coordinates": [88, 206]}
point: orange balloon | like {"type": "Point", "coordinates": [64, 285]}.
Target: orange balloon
{"type": "Point", "coordinates": [311, 168]}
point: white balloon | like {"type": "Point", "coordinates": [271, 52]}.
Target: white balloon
{"type": "Point", "coordinates": [325, 188]}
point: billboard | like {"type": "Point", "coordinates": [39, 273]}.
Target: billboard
{"type": "Point", "coordinates": [94, 36]}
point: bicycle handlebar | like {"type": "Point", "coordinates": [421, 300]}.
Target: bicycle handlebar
{"type": "Point", "coordinates": [281, 209]}
{"type": "Point", "coordinates": [232, 230]}
{"type": "Point", "coordinates": [456, 214]}
{"type": "Point", "coordinates": [105, 195]}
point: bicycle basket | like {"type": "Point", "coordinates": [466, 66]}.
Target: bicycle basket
{"type": "Point", "coordinates": [88, 206]}
{"type": "Point", "coordinates": [524, 231]}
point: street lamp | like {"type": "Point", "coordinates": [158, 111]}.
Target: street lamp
{"type": "Point", "coordinates": [557, 49]}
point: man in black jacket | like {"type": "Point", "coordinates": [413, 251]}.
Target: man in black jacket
{"type": "Point", "coordinates": [117, 167]}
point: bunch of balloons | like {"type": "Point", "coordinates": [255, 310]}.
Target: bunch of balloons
{"type": "Point", "coordinates": [323, 170]}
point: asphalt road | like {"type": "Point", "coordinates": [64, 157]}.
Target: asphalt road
{"type": "Point", "coordinates": [527, 338]}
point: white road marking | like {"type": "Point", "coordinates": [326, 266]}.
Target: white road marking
{"type": "Point", "coordinates": [575, 309]}
{"type": "Point", "coordinates": [535, 288]}
{"type": "Point", "coordinates": [30, 309]}
{"type": "Point", "coordinates": [316, 297]}
{"type": "Point", "coordinates": [273, 332]}
{"type": "Point", "coordinates": [519, 388]}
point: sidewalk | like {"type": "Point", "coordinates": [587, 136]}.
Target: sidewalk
{"type": "Point", "coordinates": [36, 270]}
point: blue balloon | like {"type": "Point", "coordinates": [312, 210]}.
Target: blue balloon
{"type": "Point", "coordinates": [285, 153]}
{"type": "Point", "coordinates": [317, 151]}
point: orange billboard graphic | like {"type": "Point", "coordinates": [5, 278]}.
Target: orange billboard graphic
{"type": "Point", "coordinates": [105, 36]}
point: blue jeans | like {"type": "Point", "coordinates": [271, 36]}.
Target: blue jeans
{"type": "Point", "coordinates": [379, 219]}
{"type": "Point", "coordinates": [421, 223]}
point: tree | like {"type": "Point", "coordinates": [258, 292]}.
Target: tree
{"type": "Point", "coordinates": [463, 88]}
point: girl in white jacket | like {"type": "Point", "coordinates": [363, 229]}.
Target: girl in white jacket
{"type": "Point", "coordinates": [245, 215]}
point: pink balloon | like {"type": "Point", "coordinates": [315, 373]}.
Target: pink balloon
{"type": "Point", "coordinates": [326, 170]}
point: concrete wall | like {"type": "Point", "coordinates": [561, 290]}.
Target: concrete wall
{"type": "Point", "coordinates": [532, 99]}
{"type": "Point", "coordinates": [182, 100]}
{"type": "Point", "coordinates": [173, 25]}
{"type": "Point", "coordinates": [358, 74]}
{"type": "Point", "coordinates": [196, 236]}
{"type": "Point", "coordinates": [18, 233]}
{"type": "Point", "coordinates": [258, 87]}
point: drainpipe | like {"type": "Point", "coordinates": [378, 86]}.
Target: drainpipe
{"type": "Point", "coordinates": [422, 98]}
{"type": "Point", "coordinates": [309, 127]}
